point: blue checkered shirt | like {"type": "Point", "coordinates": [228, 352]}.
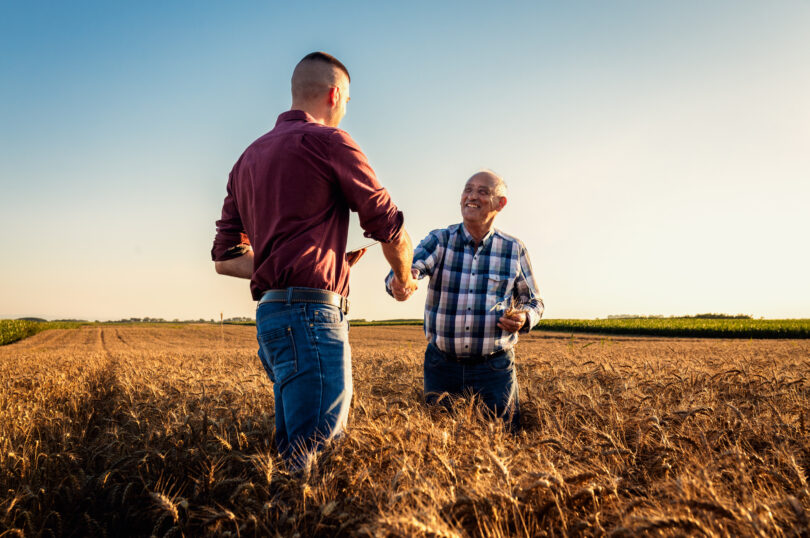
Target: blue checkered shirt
{"type": "Point", "coordinates": [470, 287]}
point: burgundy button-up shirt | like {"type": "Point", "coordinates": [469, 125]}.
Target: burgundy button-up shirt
{"type": "Point", "coordinates": [289, 197]}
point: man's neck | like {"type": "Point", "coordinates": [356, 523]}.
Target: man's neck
{"type": "Point", "coordinates": [478, 230]}
{"type": "Point", "coordinates": [316, 115]}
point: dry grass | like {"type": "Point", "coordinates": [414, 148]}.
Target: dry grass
{"type": "Point", "coordinates": [127, 430]}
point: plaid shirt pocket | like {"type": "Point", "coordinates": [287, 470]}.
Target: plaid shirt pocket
{"type": "Point", "coordinates": [497, 288]}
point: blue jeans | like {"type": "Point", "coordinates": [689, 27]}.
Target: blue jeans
{"type": "Point", "coordinates": [305, 350]}
{"type": "Point", "coordinates": [493, 380]}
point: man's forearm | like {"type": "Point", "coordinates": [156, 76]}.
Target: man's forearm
{"type": "Point", "coordinates": [399, 254]}
{"type": "Point", "coordinates": [241, 267]}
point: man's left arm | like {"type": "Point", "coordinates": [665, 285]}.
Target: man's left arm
{"type": "Point", "coordinates": [529, 303]}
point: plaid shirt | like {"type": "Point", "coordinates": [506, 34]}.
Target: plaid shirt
{"type": "Point", "coordinates": [470, 287]}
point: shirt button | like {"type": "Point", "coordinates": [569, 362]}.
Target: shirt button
{"type": "Point", "coordinates": [468, 328]}
{"type": "Point", "coordinates": [468, 308]}
{"type": "Point", "coordinates": [467, 346]}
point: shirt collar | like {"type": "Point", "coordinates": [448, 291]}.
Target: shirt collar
{"type": "Point", "coordinates": [295, 115]}
{"type": "Point", "coordinates": [468, 238]}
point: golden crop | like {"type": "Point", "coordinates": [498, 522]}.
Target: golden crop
{"type": "Point", "coordinates": [128, 430]}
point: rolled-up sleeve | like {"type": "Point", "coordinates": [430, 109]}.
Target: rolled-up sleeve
{"type": "Point", "coordinates": [379, 217]}
{"type": "Point", "coordinates": [230, 240]}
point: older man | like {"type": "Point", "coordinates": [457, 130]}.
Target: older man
{"type": "Point", "coordinates": [284, 225]}
{"type": "Point", "coordinates": [481, 294]}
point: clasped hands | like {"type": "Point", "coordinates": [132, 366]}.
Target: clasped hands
{"type": "Point", "coordinates": [403, 290]}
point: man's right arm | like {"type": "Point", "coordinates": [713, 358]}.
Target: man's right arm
{"type": "Point", "coordinates": [232, 253]}
{"type": "Point", "coordinates": [379, 217]}
{"type": "Point", "coordinates": [399, 254]}
{"type": "Point", "coordinates": [241, 267]}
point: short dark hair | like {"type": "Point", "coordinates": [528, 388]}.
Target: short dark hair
{"type": "Point", "coordinates": [328, 58]}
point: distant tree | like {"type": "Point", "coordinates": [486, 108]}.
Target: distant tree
{"type": "Point", "coordinates": [721, 316]}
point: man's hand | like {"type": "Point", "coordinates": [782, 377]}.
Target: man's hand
{"type": "Point", "coordinates": [403, 290]}
{"type": "Point", "coordinates": [354, 256]}
{"type": "Point", "coordinates": [512, 322]}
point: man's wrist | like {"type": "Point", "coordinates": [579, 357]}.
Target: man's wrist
{"type": "Point", "coordinates": [527, 324]}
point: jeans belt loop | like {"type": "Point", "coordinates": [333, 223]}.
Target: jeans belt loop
{"type": "Point", "coordinates": [289, 295]}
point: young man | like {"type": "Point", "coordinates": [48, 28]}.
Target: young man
{"type": "Point", "coordinates": [284, 225]}
{"type": "Point", "coordinates": [481, 294]}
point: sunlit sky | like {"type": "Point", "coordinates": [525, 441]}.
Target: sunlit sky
{"type": "Point", "coordinates": [657, 153]}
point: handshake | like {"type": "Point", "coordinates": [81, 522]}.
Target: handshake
{"type": "Point", "coordinates": [403, 290]}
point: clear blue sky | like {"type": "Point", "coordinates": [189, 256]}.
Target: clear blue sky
{"type": "Point", "coordinates": [657, 153]}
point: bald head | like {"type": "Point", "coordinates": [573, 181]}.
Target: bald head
{"type": "Point", "coordinates": [315, 74]}
{"type": "Point", "coordinates": [496, 182]}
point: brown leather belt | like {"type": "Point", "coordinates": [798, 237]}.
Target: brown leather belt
{"type": "Point", "coordinates": [306, 295]}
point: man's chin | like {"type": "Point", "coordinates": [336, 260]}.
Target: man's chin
{"type": "Point", "coordinates": [470, 213]}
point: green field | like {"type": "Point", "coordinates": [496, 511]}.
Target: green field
{"type": "Point", "coordinates": [696, 327]}
{"type": "Point", "coordinates": [688, 327]}
{"type": "Point", "coordinates": [12, 330]}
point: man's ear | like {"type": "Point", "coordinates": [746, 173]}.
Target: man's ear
{"type": "Point", "coordinates": [502, 203]}
{"type": "Point", "coordinates": [333, 97]}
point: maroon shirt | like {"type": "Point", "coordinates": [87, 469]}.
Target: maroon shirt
{"type": "Point", "coordinates": [289, 196]}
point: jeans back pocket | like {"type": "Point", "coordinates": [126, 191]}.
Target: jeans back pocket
{"type": "Point", "coordinates": [278, 347]}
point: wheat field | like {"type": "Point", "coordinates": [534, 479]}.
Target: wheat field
{"type": "Point", "coordinates": [167, 431]}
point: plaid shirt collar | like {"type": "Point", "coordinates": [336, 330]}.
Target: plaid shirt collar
{"type": "Point", "coordinates": [468, 238]}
